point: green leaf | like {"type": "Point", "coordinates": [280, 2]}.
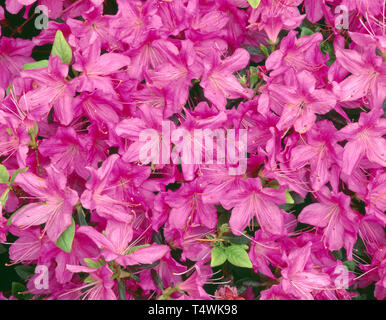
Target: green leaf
{"type": "Point", "coordinates": [218, 256]}
{"type": "Point", "coordinates": [25, 271]}
{"type": "Point", "coordinates": [65, 240]}
{"type": "Point", "coordinates": [4, 197]}
{"type": "Point", "coordinates": [17, 290]}
{"type": "Point", "coordinates": [288, 197]}
{"type": "Point", "coordinates": [9, 89]}
{"type": "Point", "coordinates": [350, 265]}
{"type": "Point", "coordinates": [254, 3]}
{"type": "Point", "coordinates": [306, 32]}
{"type": "Point", "coordinates": [81, 215]}
{"type": "Point", "coordinates": [16, 172]}
{"type": "Point", "coordinates": [4, 174]}
{"type": "Point", "coordinates": [264, 49]}
{"type": "Point", "coordinates": [236, 239]}
{"type": "Point", "coordinates": [253, 50]}
{"type": "Point", "coordinates": [237, 255]}
{"type": "Point", "coordinates": [3, 249]}
{"type": "Point", "coordinates": [88, 280]}
{"type": "Point", "coordinates": [122, 290]}
{"type": "Point", "coordinates": [157, 279]}
{"type": "Point", "coordinates": [91, 263]}
{"type": "Point", "coordinates": [132, 249]}
{"type": "Point", "coordinates": [61, 48]}
{"type": "Point", "coordinates": [36, 65]}
{"type": "Point", "coordinates": [253, 76]}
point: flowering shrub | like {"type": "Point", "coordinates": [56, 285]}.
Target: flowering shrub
{"type": "Point", "coordinates": [201, 149]}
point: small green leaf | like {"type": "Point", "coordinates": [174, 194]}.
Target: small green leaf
{"type": "Point", "coordinates": [81, 215]}
{"type": "Point", "coordinates": [253, 76]}
{"type": "Point", "coordinates": [65, 240]}
{"type": "Point", "coordinates": [122, 290]}
{"type": "Point", "coordinates": [9, 89]}
{"type": "Point", "coordinates": [224, 228]}
{"type": "Point", "coordinates": [88, 280]}
{"type": "Point", "coordinates": [132, 249]}
{"type": "Point", "coordinates": [4, 174]}
{"type": "Point", "coordinates": [218, 256]}
{"type": "Point", "coordinates": [253, 50]}
{"type": "Point", "coordinates": [306, 32]}
{"type": "Point", "coordinates": [61, 48]}
{"type": "Point", "coordinates": [350, 265]}
{"type": "Point", "coordinates": [236, 239]}
{"type": "Point", "coordinates": [288, 197]}
{"type": "Point", "coordinates": [36, 65]}
{"type": "Point", "coordinates": [3, 249]}
{"type": "Point", "coordinates": [237, 255]}
{"type": "Point", "coordinates": [16, 172]}
{"type": "Point", "coordinates": [91, 263]}
{"type": "Point", "coordinates": [4, 197]}
{"type": "Point", "coordinates": [17, 290]}
{"type": "Point", "coordinates": [264, 49]}
{"type": "Point", "coordinates": [157, 279]}
{"type": "Point", "coordinates": [25, 271]}
{"type": "Point", "coordinates": [254, 3]}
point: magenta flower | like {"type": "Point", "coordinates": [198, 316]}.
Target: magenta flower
{"type": "Point", "coordinates": [254, 201]}
{"type": "Point", "coordinates": [218, 81]}
{"type": "Point", "coordinates": [100, 286]}
{"type": "Point", "coordinates": [298, 54]}
{"type": "Point", "coordinates": [301, 102]}
{"type": "Point", "coordinates": [97, 69]}
{"type": "Point", "coordinates": [368, 76]}
{"type": "Point", "coordinates": [110, 186]}
{"type": "Point", "coordinates": [55, 205]}
{"type": "Point", "coordinates": [14, 53]}
{"type": "Point", "coordinates": [339, 222]}
{"type": "Point", "coordinates": [188, 207]}
{"type": "Point", "coordinates": [177, 74]}
{"type": "Point", "coordinates": [320, 149]}
{"type": "Point", "coordinates": [273, 16]}
{"type": "Point", "coordinates": [116, 245]}
{"type": "Point", "coordinates": [14, 6]}
{"type": "Point", "coordinates": [364, 139]}
{"type": "Point", "coordinates": [299, 279]}
{"type": "Point", "coordinates": [53, 90]}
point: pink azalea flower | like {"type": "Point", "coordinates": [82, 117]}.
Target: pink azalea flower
{"type": "Point", "coordinates": [96, 198]}
{"type": "Point", "coordinates": [175, 76]}
{"type": "Point", "coordinates": [116, 247]}
{"type": "Point", "coordinates": [100, 288]}
{"type": "Point", "coordinates": [26, 249]}
{"type": "Point", "coordinates": [67, 151]}
{"type": "Point", "coordinates": [364, 139]}
{"type": "Point", "coordinates": [299, 279]}
{"type": "Point", "coordinates": [193, 286]}
{"type": "Point", "coordinates": [300, 102]}
{"type": "Point", "coordinates": [265, 252]}
{"type": "Point", "coordinates": [273, 16]}
{"type": "Point", "coordinates": [53, 90]}
{"type": "Point", "coordinates": [320, 149]}
{"type": "Point", "coordinates": [250, 201]}
{"type": "Point", "coordinates": [298, 54]}
{"type": "Point", "coordinates": [339, 222]}
{"type": "Point", "coordinates": [168, 270]}
{"type": "Point", "coordinates": [14, 53]}
{"type": "Point", "coordinates": [55, 206]}
{"type": "Point", "coordinates": [14, 6]}
{"type": "Point", "coordinates": [188, 208]}
{"type": "Point", "coordinates": [97, 69]}
{"type": "Point", "coordinates": [218, 81]}
{"type": "Point", "coordinates": [368, 75]}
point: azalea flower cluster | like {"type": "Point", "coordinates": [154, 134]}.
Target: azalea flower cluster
{"type": "Point", "coordinates": [83, 218]}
